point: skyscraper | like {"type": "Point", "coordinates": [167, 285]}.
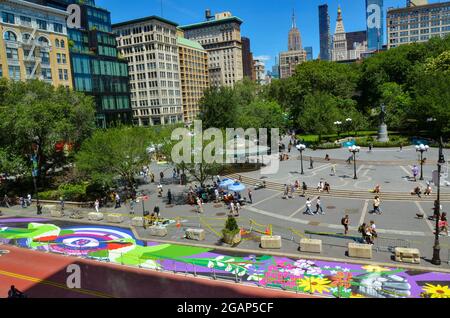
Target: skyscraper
{"type": "Point", "coordinates": [247, 58]}
{"type": "Point", "coordinates": [324, 29]}
{"type": "Point", "coordinates": [339, 40]}
{"type": "Point", "coordinates": [309, 53]}
{"type": "Point", "coordinates": [375, 24]}
{"type": "Point", "coordinates": [294, 41]}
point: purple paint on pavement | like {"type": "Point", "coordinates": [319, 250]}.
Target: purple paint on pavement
{"type": "Point", "coordinates": [21, 220]}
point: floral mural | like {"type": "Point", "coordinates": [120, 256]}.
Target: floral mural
{"type": "Point", "coordinates": [329, 279]}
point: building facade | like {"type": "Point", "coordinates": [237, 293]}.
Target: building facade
{"type": "Point", "coordinates": [309, 53]}
{"type": "Point", "coordinates": [417, 23]}
{"type": "Point", "coordinates": [247, 59]}
{"type": "Point", "coordinates": [375, 24]}
{"type": "Point", "coordinates": [339, 52]}
{"type": "Point", "coordinates": [97, 69]}
{"type": "Point", "coordinates": [294, 37]}
{"type": "Point", "coordinates": [34, 43]}
{"type": "Point", "coordinates": [324, 31]}
{"type": "Point", "coordinates": [260, 72]}
{"type": "Point", "coordinates": [414, 3]}
{"type": "Point", "coordinates": [150, 46]}
{"type": "Point", "coordinates": [221, 37]}
{"type": "Point", "coordinates": [194, 76]}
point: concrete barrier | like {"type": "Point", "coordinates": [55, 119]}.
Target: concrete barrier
{"type": "Point", "coordinates": [160, 231]}
{"type": "Point", "coordinates": [137, 221]}
{"type": "Point", "coordinates": [407, 255]}
{"type": "Point", "coordinates": [273, 242]}
{"type": "Point", "coordinates": [360, 250]}
{"type": "Point", "coordinates": [115, 218]}
{"type": "Point", "coordinates": [95, 216]}
{"type": "Point", "coordinates": [195, 234]}
{"type": "Point", "coordinates": [310, 245]}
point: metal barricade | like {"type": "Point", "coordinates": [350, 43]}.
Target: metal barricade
{"type": "Point", "coordinates": [389, 244]}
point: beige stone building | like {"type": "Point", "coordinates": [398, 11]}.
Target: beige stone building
{"type": "Point", "coordinates": [150, 46]}
{"type": "Point", "coordinates": [417, 23]}
{"type": "Point", "coordinates": [34, 43]}
{"type": "Point", "coordinates": [220, 36]}
{"type": "Point", "coordinates": [194, 76]}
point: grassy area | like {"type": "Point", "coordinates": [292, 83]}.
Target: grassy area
{"type": "Point", "coordinates": [333, 137]}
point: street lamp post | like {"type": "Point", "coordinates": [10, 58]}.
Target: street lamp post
{"type": "Point", "coordinates": [421, 148]}
{"type": "Point", "coordinates": [301, 148]}
{"type": "Point", "coordinates": [354, 150]}
{"type": "Point", "coordinates": [35, 172]}
{"type": "Point", "coordinates": [349, 122]}
{"type": "Point", "coordinates": [437, 209]}
{"type": "Point", "coordinates": [338, 124]}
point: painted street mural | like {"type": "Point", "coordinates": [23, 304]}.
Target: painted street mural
{"type": "Point", "coordinates": [118, 245]}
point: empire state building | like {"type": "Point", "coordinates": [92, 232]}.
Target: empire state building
{"type": "Point", "coordinates": [295, 40]}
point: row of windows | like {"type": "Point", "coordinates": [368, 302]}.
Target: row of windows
{"type": "Point", "coordinates": [145, 28]}
{"type": "Point", "coordinates": [27, 21]}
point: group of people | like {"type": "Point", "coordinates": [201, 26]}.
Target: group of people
{"type": "Point", "coordinates": [318, 207]}
{"type": "Point", "coordinates": [418, 191]}
{"type": "Point", "coordinates": [368, 232]}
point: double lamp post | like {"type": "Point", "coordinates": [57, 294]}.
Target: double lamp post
{"type": "Point", "coordinates": [301, 148]}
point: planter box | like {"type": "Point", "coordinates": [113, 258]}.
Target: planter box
{"type": "Point", "coordinates": [94, 216]}
{"type": "Point", "coordinates": [137, 221]}
{"type": "Point", "coordinates": [310, 245]}
{"type": "Point", "coordinates": [271, 241]}
{"type": "Point", "coordinates": [160, 231]}
{"type": "Point", "coordinates": [56, 213]}
{"type": "Point", "coordinates": [407, 255]}
{"type": "Point", "coordinates": [360, 250]}
{"type": "Point", "coordinates": [195, 234]}
{"type": "Point", "coordinates": [114, 218]}
{"type": "Point", "coordinates": [232, 239]}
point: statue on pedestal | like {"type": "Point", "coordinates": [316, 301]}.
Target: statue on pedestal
{"type": "Point", "coordinates": [382, 130]}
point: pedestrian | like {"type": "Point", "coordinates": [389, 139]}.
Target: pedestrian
{"type": "Point", "coordinates": [161, 176]}
{"type": "Point", "coordinates": [373, 229]}
{"type": "Point", "coordinates": [370, 147]}
{"type": "Point", "coordinates": [289, 147]}
{"type": "Point", "coordinates": [160, 190]}
{"type": "Point", "coordinates": [200, 205]}
{"type": "Point", "coordinates": [320, 186]}
{"type": "Point", "coordinates": [232, 207]}
{"type": "Point", "coordinates": [28, 199]}
{"type": "Point", "coordinates": [238, 208]}
{"type": "Point", "coordinates": [22, 202]}
{"type": "Point", "coordinates": [156, 211]}
{"type": "Point", "coordinates": [304, 188]}
{"type": "Point", "coordinates": [349, 159]}
{"type": "Point", "coordinates": [345, 221]}
{"type": "Point", "coordinates": [319, 206]}
{"type": "Point", "coordinates": [6, 201]}
{"type": "Point", "coordinates": [308, 207]}
{"type": "Point", "coordinates": [401, 147]}
{"type": "Point", "coordinates": [169, 196]}
{"type": "Point", "coordinates": [376, 205]}
{"type": "Point", "coordinates": [96, 205]}
{"type": "Point", "coordinates": [285, 192]}
{"type": "Point", "coordinates": [152, 177]}
{"type": "Point", "coordinates": [311, 163]}
{"type": "Point", "coordinates": [132, 205]}
{"type": "Point", "coordinates": [117, 198]}
{"type": "Point", "coordinates": [326, 187]}
{"type": "Point", "coordinates": [61, 203]}
{"type": "Point", "coordinates": [174, 174]}
{"type": "Point", "coordinates": [250, 196]}
{"type": "Point", "coordinates": [333, 170]}
{"type": "Point", "coordinates": [15, 293]}
{"type": "Point", "coordinates": [292, 190]}
{"type": "Point", "coordinates": [216, 195]}
{"type": "Point", "coordinates": [327, 157]}
{"type": "Point", "coordinates": [415, 171]}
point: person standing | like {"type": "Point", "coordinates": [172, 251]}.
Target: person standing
{"type": "Point", "coordinates": [345, 222]}
{"type": "Point", "coordinates": [132, 205]}
{"type": "Point", "coordinates": [311, 163]}
{"type": "Point", "coordinates": [96, 205]}
{"type": "Point", "coordinates": [250, 196]}
{"type": "Point", "coordinates": [415, 171]}
{"type": "Point", "coordinates": [376, 205]}
{"type": "Point", "coordinates": [401, 147]}
{"type": "Point", "coordinates": [169, 196]}
{"type": "Point", "coordinates": [304, 188]}
{"type": "Point", "coordinates": [29, 199]}
{"type": "Point", "coordinates": [370, 147]}
{"type": "Point", "coordinates": [156, 211]}
{"type": "Point", "coordinates": [319, 206]}
{"type": "Point", "coordinates": [61, 203]}
{"type": "Point", "coordinates": [200, 205]}
{"type": "Point", "coordinates": [6, 201]}
{"type": "Point", "coordinates": [152, 177]}
{"type": "Point", "coordinates": [238, 208]}
{"type": "Point", "coordinates": [333, 170]}
{"type": "Point", "coordinates": [308, 207]}
{"type": "Point", "coordinates": [373, 229]}
{"type": "Point", "coordinates": [117, 198]}
{"type": "Point", "coordinates": [160, 190]}
{"type": "Point", "coordinates": [161, 176]}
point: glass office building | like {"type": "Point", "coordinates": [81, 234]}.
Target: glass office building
{"type": "Point", "coordinates": [96, 66]}
{"type": "Point", "coordinates": [324, 30]}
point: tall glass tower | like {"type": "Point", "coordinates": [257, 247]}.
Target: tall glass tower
{"type": "Point", "coordinates": [324, 29]}
{"type": "Point", "coordinates": [375, 24]}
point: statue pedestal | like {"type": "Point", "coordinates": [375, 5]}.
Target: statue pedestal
{"type": "Point", "coordinates": [383, 133]}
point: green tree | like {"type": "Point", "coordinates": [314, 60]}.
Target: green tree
{"type": "Point", "coordinates": [219, 108]}
{"type": "Point", "coordinates": [12, 164]}
{"type": "Point", "coordinates": [116, 152]}
{"type": "Point", "coordinates": [319, 115]}
{"type": "Point", "coordinates": [397, 104]}
{"type": "Point", "coordinates": [261, 114]}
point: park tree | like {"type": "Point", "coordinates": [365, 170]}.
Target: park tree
{"type": "Point", "coordinates": [397, 104]}
{"type": "Point", "coordinates": [116, 152]}
{"type": "Point", "coordinates": [12, 164]}
{"type": "Point", "coordinates": [219, 108]}
{"type": "Point", "coordinates": [319, 114]}
{"type": "Point", "coordinates": [36, 112]}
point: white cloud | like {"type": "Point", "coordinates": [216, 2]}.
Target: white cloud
{"type": "Point", "coordinates": [263, 58]}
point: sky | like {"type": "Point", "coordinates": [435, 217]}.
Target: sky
{"type": "Point", "coordinates": [266, 22]}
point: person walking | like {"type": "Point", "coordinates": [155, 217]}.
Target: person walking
{"type": "Point", "coordinates": [345, 222]}
{"type": "Point", "coordinates": [370, 147]}
{"type": "Point", "coordinates": [132, 205]}
{"type": "Point", "coordinates": [333, 170]}
{"type": "Point", "coordinates": [373, 229]}
{"type": "Point", "coordinates": [376, 205]}
{"type": "Point", "coordinates": [160, 190]}
{"type": "Point", "coordinates": [304, 188]}
{"type": "Point", "coordinates": [237, 207]}
{"type": "Point", "coordinates": [6, 201]}
{"type": "Point", "coordinates": [152, 177]}
{"type": "Point", "coordinates": [292, 190]}
{"type": "Point", "coordinates": [200, 205]}
{"type": "Point", "coordinates": [156, 211]}
{"type": "Point", "coordinates": [96, 205]}
{"type": "Point", "coordinates": [415, 171]}
{"type": "Point", "coordinates": [28, 199]}
{"type": "Point", "coordinates": [250, 196]}
{"type": "Point", "coordinates": [117, 198]}
{"type": "Point", "coordinates": [169, 196]}
{"type": "Point", "coordinates": [319, 206]}
{"type": "Point", "coordinates": [161, 176]}
{"type": "Point", "coordinates": [401, 147]}
{"type": "Point", "coordinates": [308, 207]}
{"type": "Point", "coordinates": [61, 203]}
{"type": "Point", "coordinates": [311, 163]}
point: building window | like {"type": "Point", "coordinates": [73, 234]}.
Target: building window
{"type": "Point", "coordinates": [64, 60]}
{"type": "Point", "coordinates": [26, 21]}
{"type": "Point", "coordinates": [10, 36]}
{"type": "Point", "coordinates": [42, 25]}
{"type": "Point", "coordinates": [58, 58]}
{"type": "Point", "coordinates": [12, 54]}
{"type": "Point", "coordinates": [46, 73]}
{"type": "Point", "coordinates": [57, 43]}
{"type": "Point", "coordinates": [43, 41]}
{"type": "Point", "coordinates": [45, 57]}
{"type": "Point", "coordinates": [66, 75]}
{"type": "Point", "coordinates": [58, 27]}
{"type": "Point", "coordinates": [25, 37]}
{"type": "Point", "coordinates": [60, 73]}
{"type": "Point", "coordinates": [7, 17]}
{"type": "Point", "coordinates": [63, 44]}
{"type": "Point", "coordinates": [14, 72]}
